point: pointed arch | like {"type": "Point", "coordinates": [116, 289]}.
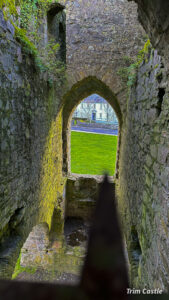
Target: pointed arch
{"type": "Point", "coordinates": [78, 92]}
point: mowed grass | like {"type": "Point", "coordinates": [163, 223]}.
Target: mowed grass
{"type": "Point", "coordinates": [93, 153]}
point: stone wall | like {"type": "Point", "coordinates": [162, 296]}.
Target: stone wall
{"type": "Point", "coordinates": [79, 124]}
{"type": "Point", "coordinates": [43, 260]}
{"type": "Point", "coordinates": [144, 176]}
{"type": "Point", "coordinates": [31, 147]}
{"type": "Point", "coordinates": [81, 195]}
{"type": "Point", "coordinates": [153, 15]}
{"type": "Point", "coordinates": [100, 34]}
{"type": "Point", "coordinates": [31, 115]}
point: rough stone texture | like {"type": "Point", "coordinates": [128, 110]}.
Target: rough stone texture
{"type": "Point", "coordinates": [81, 195]}
{"type": "Point", "coordinates": [31, 148]}
{"type": "Point", "coordinates": [31, 119]}
{"type": "Point", "coordinates": [153, 15]}
{"type": "Point", "coordinates": [35, 247]}
{"type": "Point", "coordinates": [144, 176]}
{"type": "Point", "coordinates": [54, 258]}
{"type": "Point", "coordinates": [99, 35]}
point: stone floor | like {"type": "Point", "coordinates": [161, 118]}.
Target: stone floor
{"type": "Point", "coordinates": [44, 275]}
{"type": "Point", "coordinates": [58, 261]}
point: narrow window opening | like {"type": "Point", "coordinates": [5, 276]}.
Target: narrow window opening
{"type": "Point", "coordinates": [56, 20]}
{"type": "Point", "coordinates": [16, 218]}
{"type": "Point", "coordinates": [62, 41]}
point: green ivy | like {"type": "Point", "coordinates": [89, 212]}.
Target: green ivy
{"type": "Point", "coordinates": [28, 10]}
{"type": "Point", "coordinates": [28, 46]}
{"type": "Point", "coordinates": [27, 33]}
{"type": "Point", "coordinates": [128, 74]}
{"type": "Point", "coordinates": [8, 7]}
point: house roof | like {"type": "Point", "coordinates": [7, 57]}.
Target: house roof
{"type": "Point", "coordinates": [94, 99]}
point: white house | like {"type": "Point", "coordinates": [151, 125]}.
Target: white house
{"type": "Point", "coordinates": [97, 109]}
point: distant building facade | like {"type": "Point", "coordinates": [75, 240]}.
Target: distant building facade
{"type": "Point", "coordinates": [96, 108]}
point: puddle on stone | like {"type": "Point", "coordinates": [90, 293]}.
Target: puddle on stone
{"type": "Point", "coordinates": [76, 232]}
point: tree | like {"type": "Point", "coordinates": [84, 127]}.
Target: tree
{"type": "Point", "coordinates": [110, 114]}
{"type": "Point", "coordinates": [84, 110]}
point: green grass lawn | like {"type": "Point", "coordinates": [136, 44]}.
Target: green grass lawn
{"type": "Point", "coordinates": [93, 153]}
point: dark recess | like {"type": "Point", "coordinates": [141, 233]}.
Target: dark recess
{"type": "Point", "coordinates": [56, 20]}
{"type": "Point", "coordinates": [62, 39]}
{"type": "Point", "coordinates": [134, 251]}
{"type": "Point", "coordinates": [54, 10]}
{"type": "Point", "coordinates": [161, 94]}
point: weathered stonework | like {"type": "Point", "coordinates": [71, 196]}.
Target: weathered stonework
{"type": "Point", "coordinates": [31, 122]}
{"type": "Point", "coordinates": [100, 34]}
{"type": "Point", "coordinates": [52, 259]}
{"type": "Point", "coordinates": [144, 176]}
{"type": "Point", "coordinates": [153, 15]}
{"type": "Point", "coordinates": [31, 148]}
{"type": "Point", "coordinates": [81, 195]}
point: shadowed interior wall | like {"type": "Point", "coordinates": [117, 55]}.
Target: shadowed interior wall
{"type": "Point", "coordinates": [153, 15]}
{"type": "Point", "coordinates": [31, 148]}
{"type": "Point", "coordinates": [31, 117]}
{"type": "Point", "coordinates": [143, 190]}
{"type": "Point", "coordinates": [99, 34]}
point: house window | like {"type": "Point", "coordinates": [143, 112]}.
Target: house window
{"type": "Point", "coordinates": [100, 116]}
{"type": "Point", "coordinates": [100, 105]}
{"type": "Point", "coordinates": [94, 105]}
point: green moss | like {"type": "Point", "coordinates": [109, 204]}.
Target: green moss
{"type": "Point", "coordinates": [19, 269]}
{"type": "Point", "coordinates": [27, 34]}
{"type": "Point", "coordinates": [128, 74]}
{"type": "Point", "coordinates": [28, 46]}
{"type": "Point", "coordinates": [8, 7]}
{"type": "Point", "coordinates": [51, 176]}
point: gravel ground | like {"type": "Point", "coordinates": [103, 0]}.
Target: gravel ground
{"type": "Point", "coordinates": [42, 275]}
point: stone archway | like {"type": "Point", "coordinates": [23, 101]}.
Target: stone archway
{"type": "Point", "coordinates": [79, 91]}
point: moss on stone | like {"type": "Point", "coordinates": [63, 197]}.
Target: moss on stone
{"type": "Point", "coordinates": [19, 269]}
{"type": "Point", "coordinates": [28, 46]}
{"type": "Point", "coordinates": [27, 33]}
{"type": "Point", "coordinates": [51, 174]}
{"type": "Point", "coordinates": [128, 74]}
{"type": "Point", "coordinates": [9, 8]}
